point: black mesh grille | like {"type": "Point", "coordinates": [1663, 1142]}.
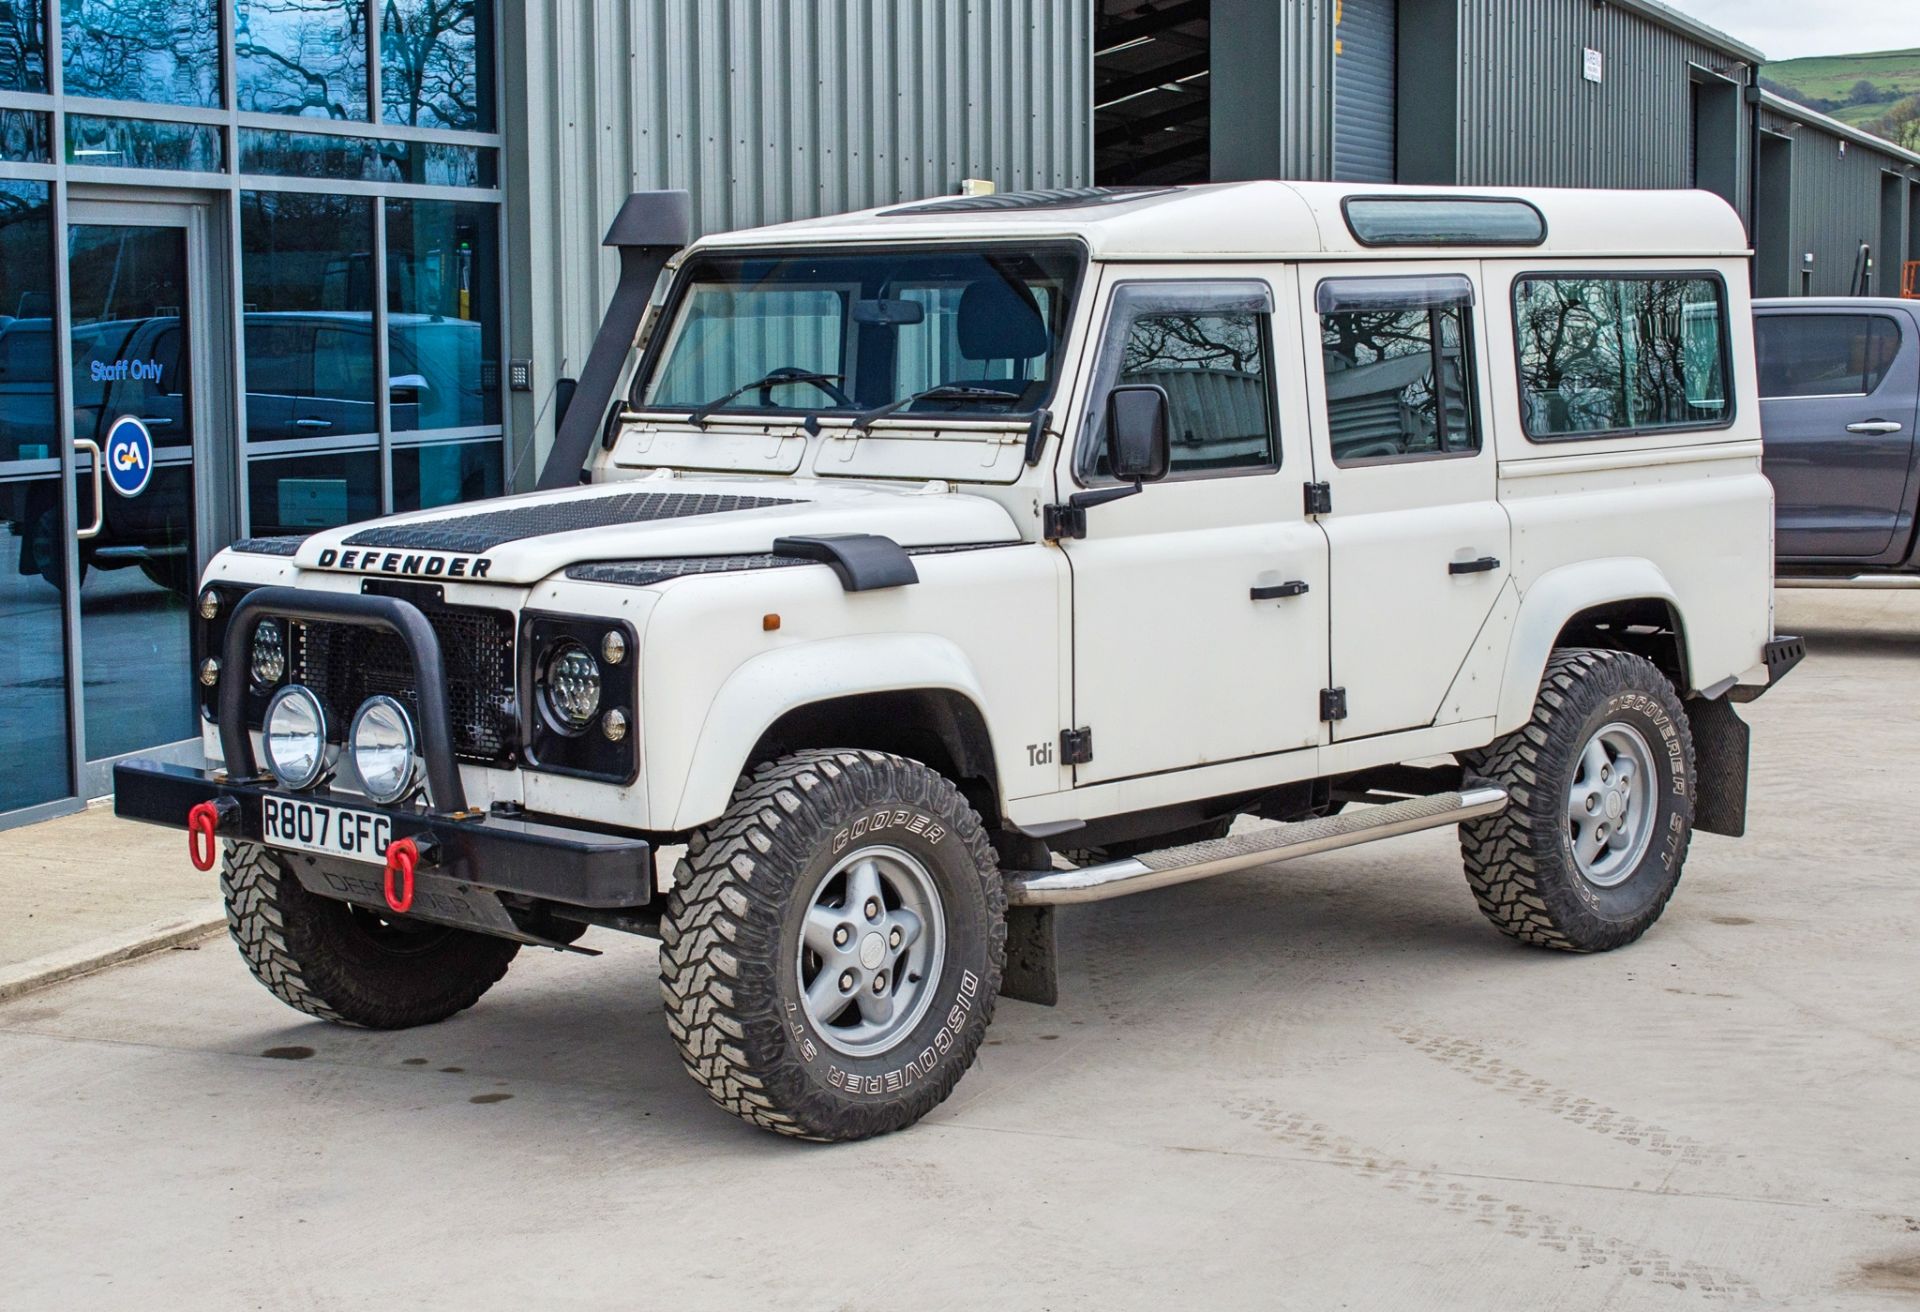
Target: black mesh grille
{"type": "Point", "coordinates": [286, 546]}
{"type": "Point", "coordinates": [642, 573]}
{"type": "Point", "coordinates": [487, 530]}
{"type": "Point", "coordinates": [1058, 198]}
{"type": "Point", "coordinates": [346, 664]}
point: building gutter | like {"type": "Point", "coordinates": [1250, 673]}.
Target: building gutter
{"type": "Point", "coordinates": [1834, 127]}
{"type": "Point", "coordinates": [1675, 21]}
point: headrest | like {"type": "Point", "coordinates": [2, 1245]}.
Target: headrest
{"type": "Point", "coordinates": [999, 320]}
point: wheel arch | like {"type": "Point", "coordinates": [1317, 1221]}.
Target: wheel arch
{"type": "Point", "coordinates": [914, 695]}
{"type": "Point", "coordinates": [1621, 605]}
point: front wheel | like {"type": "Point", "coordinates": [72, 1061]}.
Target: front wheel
{"type": "Point", "coordinates": [1601, 781]}
{"type": "Point", "coordinates": [344, 963]}
{"type": "Point", "coordinates": [833, 946]}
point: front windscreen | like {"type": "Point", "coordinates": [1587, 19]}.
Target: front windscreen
{"type": "Point", "coordinates": [961, 334]}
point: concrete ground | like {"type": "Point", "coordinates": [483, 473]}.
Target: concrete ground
{"type": "Point", "coordinates": [86, 888]}
{"type": "Point", "coordinates": [1329, 1086]}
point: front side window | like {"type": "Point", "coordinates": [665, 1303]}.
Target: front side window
{"type": "Point", "coordinates": [1824, 354]}
{"type": "Point", "coordinates": [1607, 355]}
{"type": "Point", "coordinates": [1399, 368]}
{"type": "Point", "coordinates": [964, 334]}
{"type": "Point", "coordinates": [1207, 346]}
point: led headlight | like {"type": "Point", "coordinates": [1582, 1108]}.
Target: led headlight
{"type": "Point", "coordinates": [572, 684]}
{"type": "Point", "coordinates": [383, 747]}
{"type": "Point", "coordinates": [269, 664]}
{"type": "Point", "coordinates": [294, 737]}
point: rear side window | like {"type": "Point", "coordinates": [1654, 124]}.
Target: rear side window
{"type": "Point", "coordinates": [1825, 354]}
{"type": "Point", "coordinates": [1607, 355]}
{"type": "Point", "coordinates": [1399, 364]}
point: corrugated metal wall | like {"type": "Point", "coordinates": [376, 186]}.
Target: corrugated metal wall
{"type": "Point", "coordinates": [1272, 89]}
{"type": "Point", "coordinates": [1530, 118]}
{"type": "Point", "coordinates": [766, 110]}
{"type": "Point", "coordinates": [1835, 205]}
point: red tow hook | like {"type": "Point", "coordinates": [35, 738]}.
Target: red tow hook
{"type": "Point", "coordinates": [203, 824]}
{"type": "Point", "coordinates": [402, 857]}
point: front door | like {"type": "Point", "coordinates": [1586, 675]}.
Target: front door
{"type": "Point", "coordinates": [147, 410]}
{"type": "Point", "coordinates": [1418, 539]}
{"type": "Point", "coordinates": [1200, 604]}
{"type": "Point", "coordinates": [1837, 404]}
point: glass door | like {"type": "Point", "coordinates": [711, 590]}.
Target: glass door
{"type": "Point", "coordinates": [140, 287]}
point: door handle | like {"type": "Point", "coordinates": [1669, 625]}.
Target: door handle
{"type": "Point", "coordinates": [1484, 565]}
{"type": "Point", "coordinates": [99, 501]}
{"type": "Point", "coordinates": [1281, 590]}
{"type": "Point", "coordinates": [1876, 428]}
{"type": "Point", "coordinates": [157, 421]}
{"type": "Point", "coordinates": [313, 423]}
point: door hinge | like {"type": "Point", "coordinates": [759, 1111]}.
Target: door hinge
{"type": "Point", "coordinates": [1065, 523]}
{"type": "Point", "coordinates": [1076, 746]}
{"type": "Point", "coordinates": [1319, 498]}
{"type": "Point", "coordinates": [1333, 704]}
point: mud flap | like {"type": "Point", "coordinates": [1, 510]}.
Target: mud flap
{"type": "Point", "coordinates": [1722, 742]}
{"type": "Point", "coordinates": [1032, 973]}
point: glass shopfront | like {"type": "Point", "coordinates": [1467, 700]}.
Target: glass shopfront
{"type": "Point", "coordinates": [250, 284]}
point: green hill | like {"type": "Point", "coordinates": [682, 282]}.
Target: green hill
{"type": "Point", "coordinates": [1876, 92]}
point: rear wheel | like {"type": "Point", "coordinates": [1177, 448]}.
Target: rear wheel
{"type": "Point", "coordinates": [834, 945]}
{"type": "Point", "coordinates": [1590, 848]}
{"type": "Point", "coordinates": [342, 963]}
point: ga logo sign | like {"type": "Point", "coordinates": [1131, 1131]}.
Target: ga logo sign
{"type": "Point", "coordinates": [129, 456]}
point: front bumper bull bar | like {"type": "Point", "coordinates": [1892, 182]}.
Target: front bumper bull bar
{"type": "Point", "coordinates": [480, 851]}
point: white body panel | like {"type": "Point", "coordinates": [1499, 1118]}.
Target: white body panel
{"type": "Point", "coordinates": [1145, 631]}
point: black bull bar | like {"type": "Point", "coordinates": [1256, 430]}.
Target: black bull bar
{"type": "Point", "coordinates": [502, 853]}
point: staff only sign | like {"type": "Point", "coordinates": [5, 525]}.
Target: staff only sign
{"type": "Point", "coordinates": [129, 456]}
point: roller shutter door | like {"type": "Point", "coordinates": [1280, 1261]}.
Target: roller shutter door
{"type": "Point", "coordinates": [1365, 86]}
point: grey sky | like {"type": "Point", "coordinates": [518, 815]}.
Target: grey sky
{"type": "Point", "coordinates": [1790, 29]}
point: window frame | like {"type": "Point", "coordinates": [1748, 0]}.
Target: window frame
{"type": "Point", "coordinates": [1087, 444]}
{"type": "Point", "coordinates": [1731, 416]}
{"type": "Point", "coordinates": [1828, 313]}
{"type": "Point", "coordinates": [1469, 352]}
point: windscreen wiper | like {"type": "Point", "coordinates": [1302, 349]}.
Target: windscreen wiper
{"type": "Point", "coordinates": [944, 392]}
{"type": "Point", "coordinates": [699, 416]}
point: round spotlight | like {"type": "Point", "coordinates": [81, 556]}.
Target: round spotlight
{"type": "Point", "coordinates": [573, 687]}
{"type": "Point", "coordinates": [294, 737]}
{"type": "Point", "coordinates": [209, 672]}
{"type": "Point", "coordinates": [269, 655]}
{"type": "Point", "coordinates": [383, 746]}
{"type": "Point", "coordinates": [614, 647]}
{"type": "Point", "coordinates": [614, 725]}
{"type": "Point", "coordinates": [209, 604]}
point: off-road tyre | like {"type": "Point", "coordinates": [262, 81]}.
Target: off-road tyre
{"type": "Point", "coordinates": [728, 968]}
{"type": "Point", "coordinates": [340, 963]}
{"type": "Point", "coordinates": [1520, 863]}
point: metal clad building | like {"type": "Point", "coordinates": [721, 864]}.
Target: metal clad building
{"type": "Point", "coordinates": [1827, 191]}
{"type": "Point", "coordinates": [766, 112]}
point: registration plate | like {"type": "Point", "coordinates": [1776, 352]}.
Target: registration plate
{"type": "Point", "coordinates": [330, 830]}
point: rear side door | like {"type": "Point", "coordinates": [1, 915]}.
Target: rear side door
{"type": "Point", "coordinates": [1418, 543]}
{"type": "Point", "coordinates": [1838, 405]}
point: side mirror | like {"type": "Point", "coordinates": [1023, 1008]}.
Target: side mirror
{"type": "Point", "coordinates": [407, 387]}
{"type": "Point", "coordinates": [1138, 447]}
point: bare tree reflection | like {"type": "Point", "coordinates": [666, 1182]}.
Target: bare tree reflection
{"type": "Point", "coordinates": [429, 70]}
{"type": "Point", "coordinates": [305, 57]}
{"type": "Point", "coordinates": [158, 50]}
{"type": "Point", "coordinates": [1603, 354]}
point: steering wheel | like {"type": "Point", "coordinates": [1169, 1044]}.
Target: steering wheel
{"type": "Point", "coordinates": [796, 374]}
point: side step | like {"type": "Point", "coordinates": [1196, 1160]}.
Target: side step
{"type": "Point", "coordinates": [1220, 856]}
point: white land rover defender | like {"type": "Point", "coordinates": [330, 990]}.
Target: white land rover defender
{"type": "Point", "coordinates": [949, 563]}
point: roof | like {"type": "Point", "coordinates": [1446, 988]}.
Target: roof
{"type": "Point", "coordinates": [1687, 25]}
{"type": "Point", "coordinates": [1278, 220]}
{"type": "Point", "coordinates": [1793, 109]}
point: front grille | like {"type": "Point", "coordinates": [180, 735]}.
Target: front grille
{"type": "Point", "coordinates": [345, 664]}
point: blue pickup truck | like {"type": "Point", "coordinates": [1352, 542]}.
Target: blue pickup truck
{"type": "Point", "coordinates": [1840, 406]}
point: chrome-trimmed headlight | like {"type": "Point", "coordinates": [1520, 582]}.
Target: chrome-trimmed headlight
{"type": "Point", "coordinates": [268, 662]}
{"type": "Point", "coordinates": [570, 686]}
{"type": "Point", "coordinates": [384, 748]}
{"type": "Point", "coordinates": [293, 737]}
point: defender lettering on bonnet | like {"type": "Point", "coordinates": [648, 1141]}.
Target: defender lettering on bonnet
{"type": "Point", "coordinates": [416, 564]}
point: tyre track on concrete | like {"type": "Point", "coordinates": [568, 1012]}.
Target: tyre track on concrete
{"type": "Point", "coordinates": [1496, 1073]}
{"type": "Point", "coordinates": [1475, 1203]}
